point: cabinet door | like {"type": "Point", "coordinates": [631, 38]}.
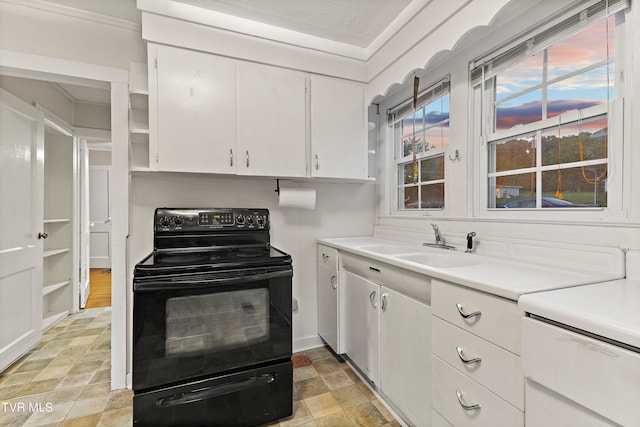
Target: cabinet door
{"type": "Point", "coordinates": [271, 121]}
{"type": "Point", "coordinates": [338, 129]}
{"type": "Point", "coordinates": [362, 324]}
{"type": "Point", "coordinates": [405, 337]}
{"type": "Point", "coordinates": [328, 306]}
{"type": "Point", "coordinates": [192, 111]}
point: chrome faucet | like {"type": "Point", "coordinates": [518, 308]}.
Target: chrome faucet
{"type": "Point", "coordinates": [436, 230]}
{"type": "Point", "coordinates": [439, 240]}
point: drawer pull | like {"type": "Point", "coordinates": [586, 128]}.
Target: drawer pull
{"type": "Point", "coordinates": [464, 405]}
{"type": "Point", "coordinates": [467, 361]}
{"type": "Point", "coordinates": [334, 282]}
{"type": "Point", "coordinates": [377, 270]}
{"type": "Point", "coordinates": [372, 298]}
{"type": "Point", "coordinates": [325, 257]}
{"type": "Point", "coordinates": [465, 315]}
{"type": "Point", "coordinates": [384, 302]}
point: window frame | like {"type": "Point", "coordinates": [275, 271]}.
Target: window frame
{"type": "Point", "coordinates": [481, 119]}
{"type": "Point", "coordinates": [396, 162]}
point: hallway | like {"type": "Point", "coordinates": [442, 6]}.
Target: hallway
{"type": "Point", "coordinates": [65, 379]}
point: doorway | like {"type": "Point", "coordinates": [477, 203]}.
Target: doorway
{"type": "Point", "coordinates": [116, 83]}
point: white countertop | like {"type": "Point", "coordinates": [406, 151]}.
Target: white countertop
{"type": "Point", "coordinates": [503, 277]}
{"type": "Point", "coordinates": [610, 309]}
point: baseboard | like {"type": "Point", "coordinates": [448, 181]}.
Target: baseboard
{"type": "Point", "coordinates": [307, 343]}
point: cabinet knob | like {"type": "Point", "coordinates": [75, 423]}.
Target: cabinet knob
{"type": "Point", "coordinates": [43, 235]}
{"type": "Point", "coordinates": [467, 315]}
{"type": "Point", "coordinates": [334, 282]}
{"type": "Point", "coordinates": [384, 302]}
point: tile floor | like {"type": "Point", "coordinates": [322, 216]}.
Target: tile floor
{"type": "Point", "coordinates": [65, 381]}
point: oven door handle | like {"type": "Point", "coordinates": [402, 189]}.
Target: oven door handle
{"type": "Point", "coordinates": [185, 283]}
{"type": "Point", "coordinates": [199, 395]}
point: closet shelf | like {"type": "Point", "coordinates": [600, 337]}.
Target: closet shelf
{"type": "Point", "coordinates": [51, 287]}
{"type": "Point", "coordinates": [52, 252]}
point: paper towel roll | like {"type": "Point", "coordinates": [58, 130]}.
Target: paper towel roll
{"type": "Point", "coordinates": [303, 198]}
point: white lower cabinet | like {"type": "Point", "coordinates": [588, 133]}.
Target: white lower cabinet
{"type": "Point", "coordinates": [405, 333]}
{"type": "Point", "coordinates": [388, 335]}
{"type": "Point", "coordinates": [362, 324]}
{"type": "Point", "coordinates": [475, 365]}
{"type": "Point", "coordinates": [329, 298]}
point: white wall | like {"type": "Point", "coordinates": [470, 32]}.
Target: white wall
{"type": "Point", "coordinates": [57, 35]}
{"type": "Point", "coordinates": [459, 216]}
{"type": "Point", "coordinates": [341, 210]}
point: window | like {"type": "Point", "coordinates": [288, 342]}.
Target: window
{"type": "Point", "coordinates": [545, 110]}
{"type": "Point", "coordinates": [420, 137]}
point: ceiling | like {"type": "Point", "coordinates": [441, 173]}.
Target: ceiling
{"type": "Point", "coordinates": [353, 22]}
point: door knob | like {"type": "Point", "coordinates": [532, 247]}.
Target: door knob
{"type": "Point", "coordinates": [42, 235]}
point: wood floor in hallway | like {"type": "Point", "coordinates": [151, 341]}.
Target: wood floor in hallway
{"type": "Point", "coordinates": [100, 295]}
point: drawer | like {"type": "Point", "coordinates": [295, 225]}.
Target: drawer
{"type": "Point", "coordinates": [498, 369]}
{"type": "Point", "coordinates": [449, 388]}
{"type": "Point", "coordinates": [597, 375]}
{"type": "Point", "coordinates": [328, 257]}
{"type": "Point", "coordinates": [497, 320]}
{"type": "Point", "coordinates": [409, 283]}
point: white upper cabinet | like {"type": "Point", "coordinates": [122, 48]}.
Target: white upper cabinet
{"type": "Point", "coordinates": [192, 103]}
{"type": "Point", "coordinates": [271, 121]}
{"type": "Point", "coordinates": [338, 129]}
{"type": "Point", "coordinates": [210, 114]}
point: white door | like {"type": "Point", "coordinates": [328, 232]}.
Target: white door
{"type": "Point", "coordinates": [362, 324]}
{"type": "Point", "coordinates": [271, 121]}
{"type": "Point", "coordinates": [328, 305]}
{"type": "Point", "coordinates": [85, 223]}
{"type": "Point", "coordinates": [405, 351]}
{"type": "Point", "coordinates": [21, 210]}
{"type": "Point", "coordinates": [192, 108]}
{"type": "Point", "coordinates": [338, 129]}
{"type": "Point", "coordinates": [100, 216]}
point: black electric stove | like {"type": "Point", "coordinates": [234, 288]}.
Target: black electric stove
{"type": "Point", "coordinates": [212, 321]}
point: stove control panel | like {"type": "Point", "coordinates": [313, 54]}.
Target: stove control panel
{"type": "Point", "coordinates": [202, 219]}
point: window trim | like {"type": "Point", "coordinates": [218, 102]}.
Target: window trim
{"type": "Point", "coordinates": [479, 121]}
{"type": "Point", "coordinates": [431, 93]}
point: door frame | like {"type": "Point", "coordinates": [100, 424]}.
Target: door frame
{"type": "Point", "coordinates": [26, 65]}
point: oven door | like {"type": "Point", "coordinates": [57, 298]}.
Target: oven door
{"type": "Point", "coordinates": [193, 326]}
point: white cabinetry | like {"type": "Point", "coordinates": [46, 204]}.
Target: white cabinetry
{"type": "Point", "coordinates": [329, 298]}
{"type": "Point", "coordinates": [192, 106]}
{"type": "Point", "coordinates": [362, 324]}
{"type": "Point", "coordinates": [338, 129]}
{"type": "Point", "coordinates": [574, 379]}
{"type": "Point", "coordinates": [388, 332]}
{"type": "Point", "coordinates": [476, 377]}
{"type": "Point", "coordinates": [57, 286]}
{"type": "Point", "coordinates": [212, 114]}
{"type": "Point", "coordinates": [405, 334]}
{"type": "Point", "coordinates": [271, 124]}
